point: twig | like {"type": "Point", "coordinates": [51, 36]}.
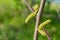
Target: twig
{"type": "Point", "coordinates": [47, 34]}
{"type": "Point", "coordinates": [29, 7]}
{"type": "Point", "coordinates": [38, 17]}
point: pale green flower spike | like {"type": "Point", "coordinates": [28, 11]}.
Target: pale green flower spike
{"type": "Point", "coordinates": [41, 26]}
{"type": "Point", "coordinates": [41, 32]}
{"type": "Point", "coordinates": [44, 24]}
{"type": "Point", "coordinates": [35, 7]}
{"type": "Point", "coordinates": [32, 14]}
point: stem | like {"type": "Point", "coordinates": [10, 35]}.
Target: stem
{"type": "Point", "coordinates": [47, 34]}
{"type": "Point", "coordinates": [29, 7]}
{"type": "Point", "coordinates": [38, 17]}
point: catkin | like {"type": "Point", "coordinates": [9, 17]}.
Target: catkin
{"type": "Point", "coordinates": [30, 16]}
{"type": "Point", "coordinates": [42, 32]}
{"type": "Point", "coordinates": [44, 24]}
{"type": "Point", "coordinates": [35, 7]}
{"type": "Point", "coordinates": [41, 26]}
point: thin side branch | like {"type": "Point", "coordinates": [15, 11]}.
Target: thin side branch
{"type": "Point", "coordinates": [29, 7]}
{"type": "Point", "coordinates": [47, 34]}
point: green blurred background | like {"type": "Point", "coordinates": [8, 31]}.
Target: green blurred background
{"type": "Point", "coordinates": [14, 12]}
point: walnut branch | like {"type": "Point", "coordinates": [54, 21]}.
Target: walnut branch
{"type": "Point", "coordinates": [38, 17]}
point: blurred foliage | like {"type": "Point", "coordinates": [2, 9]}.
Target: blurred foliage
{"type": "Point", "coordinates": [12, 17]}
